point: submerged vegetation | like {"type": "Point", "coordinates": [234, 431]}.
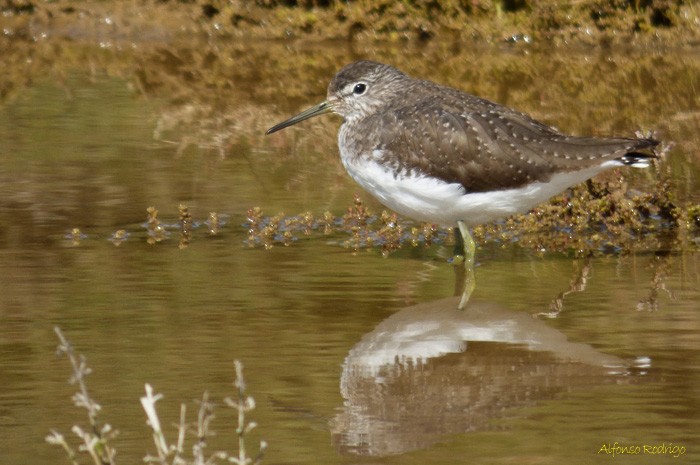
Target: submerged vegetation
{"type": "Point", "coordinates": [97, 441]}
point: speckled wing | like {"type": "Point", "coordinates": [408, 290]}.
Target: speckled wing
{"type": "Point", "coordinates": [488, 148]}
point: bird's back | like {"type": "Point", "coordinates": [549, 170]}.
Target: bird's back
{"type": "Point", "coordinates": [448, 134]}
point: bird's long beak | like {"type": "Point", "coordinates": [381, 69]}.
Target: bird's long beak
{"type": "Point", "coordinates": [319, 109]}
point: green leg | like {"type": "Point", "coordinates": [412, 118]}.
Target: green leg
{"type": "Point", "coordinates": [458, 251]}
{"type": "Point", "coordinates": [465, 267]}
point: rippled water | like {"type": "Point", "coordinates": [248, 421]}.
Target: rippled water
{"type": "Point", "coordinates": [352, 358]}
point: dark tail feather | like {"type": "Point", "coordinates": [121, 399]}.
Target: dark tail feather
{"type": "Point", "coordinates": [641, 159]}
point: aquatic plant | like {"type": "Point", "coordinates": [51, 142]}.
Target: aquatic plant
{"type": "Point", "coordinates": [97, 439]}
{"type": "Point", "coordinates": [185, 226]}
{"type": "Point", "coordinates": [156, 231]}
{"type": "Point", "coordinates": [174, 453]}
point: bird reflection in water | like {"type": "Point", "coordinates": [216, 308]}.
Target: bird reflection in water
{"type": "Point", "coordinates": [429, 371]}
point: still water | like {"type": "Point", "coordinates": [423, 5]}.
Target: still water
{"type": "Point", "coordinates": [351, 357]}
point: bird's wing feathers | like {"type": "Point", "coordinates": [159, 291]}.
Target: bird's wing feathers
{"type": "Point", "coordinates": [492, 148]}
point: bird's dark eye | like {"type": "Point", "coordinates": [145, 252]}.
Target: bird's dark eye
{"type": "Point", "coordinates": [359, 89]}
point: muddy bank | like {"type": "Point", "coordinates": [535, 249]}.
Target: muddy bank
{"type": "Point", "coordinates": [592, 22]}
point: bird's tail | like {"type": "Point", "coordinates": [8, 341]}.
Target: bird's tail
{"type": "Point", "coordinates": [641, 159]}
